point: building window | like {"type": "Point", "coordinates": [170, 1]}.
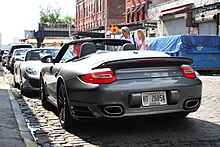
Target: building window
{"type": "Point", "coordinates": [84, 11]}
{"type": "Point", "coordinates": [128, 15]}
{"type": "Point", "coordinates": [97, 5]}
{"type": "Point", "coordinates": [80, 16]}
{"type": "Point", "coordinates": [138, 14]}
{"type": "Point", "coordinates": [143, 12]}
{"type": "Point", "coordinates": [101, 4]}
{"type": "Point", "coordinates": [132, 15]}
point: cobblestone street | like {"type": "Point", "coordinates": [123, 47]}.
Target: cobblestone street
{"type": "Point", "coordinates": [201, 128]}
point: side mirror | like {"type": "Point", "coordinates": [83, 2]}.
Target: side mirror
{"type": "Point", "coordinates": [47, 59]}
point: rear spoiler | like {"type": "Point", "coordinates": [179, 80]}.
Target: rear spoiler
{"type": "Point", "coordinates": [146, 62]}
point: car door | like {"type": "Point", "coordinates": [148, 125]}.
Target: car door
{"type": "Point", "coordinates": [52, 74]}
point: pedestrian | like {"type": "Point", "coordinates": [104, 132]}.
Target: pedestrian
{"type": "Point", "coordinates": [43, 45]}
{"type": "Point", "coordinates": [61, 44]}
{"type": "Point", "coordinates": [76, 47]}
{"type": "Point", "coordinates": [143, 42]}
{"type": "Point", "coordinates": [127, 36]}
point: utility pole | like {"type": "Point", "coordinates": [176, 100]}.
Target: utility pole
{"type": "Point", "coordinates": [105, 17]}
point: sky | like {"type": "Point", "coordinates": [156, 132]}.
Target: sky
{"type": "Point", "coordinates": [19, 15]}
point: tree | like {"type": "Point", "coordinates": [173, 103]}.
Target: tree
{"type": "Point", "coordinates": [53, 15]}
{"type": "Point", "coordinates": [69, 19]}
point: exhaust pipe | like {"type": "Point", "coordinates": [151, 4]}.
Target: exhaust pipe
{"type": "Point", "coordinates": [190, 104]}
{"type": "Point", "coordinates": [113, 110]}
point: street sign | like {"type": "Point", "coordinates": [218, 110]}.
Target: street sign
{"type": "Point", "coordinates": [150, 25]}
{"type": "Point", "coordinates": [114, 29]}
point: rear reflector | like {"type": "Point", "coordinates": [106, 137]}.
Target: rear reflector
{"type": "Point", "coordinates": [104, 77]}
{"type": "Point", "coordinates": [188, 72]}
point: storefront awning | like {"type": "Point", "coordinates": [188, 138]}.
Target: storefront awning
{"type": "Point", "coordinates": [175, 10]}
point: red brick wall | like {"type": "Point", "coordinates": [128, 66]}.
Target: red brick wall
{"type": "Point", "coordinates": [90, 14]}
{"type": "Point", "coordinates": [115, 12]}
{"type": "Point", "coordinates": [136, 16]}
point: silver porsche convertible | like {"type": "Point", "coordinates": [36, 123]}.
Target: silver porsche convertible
{"type": "Point", "coordinates": [111, 79]}
{"type": "Point", "coordinates": [27, 72]}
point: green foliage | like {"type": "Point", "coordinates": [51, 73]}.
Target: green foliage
{"type": "Point", "coordinates": [53, 15]}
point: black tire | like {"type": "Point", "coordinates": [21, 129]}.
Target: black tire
{"type": "Point", "coordinates": [65, 117]}
{"type": "Point", "coordinates": [12, 70]}
{"type": "Point", "coordinates": [16, 85]}
{"type": "Point", "coordinates": [23, 92]}
{"type": "Point", "coordinates": [43, 97]}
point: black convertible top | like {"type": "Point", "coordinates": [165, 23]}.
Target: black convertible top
{"type": "Point", "coordinates": [106, 41]}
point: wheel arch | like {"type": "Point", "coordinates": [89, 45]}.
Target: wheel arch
{"type": "Point", "coordinates": [61, 80]}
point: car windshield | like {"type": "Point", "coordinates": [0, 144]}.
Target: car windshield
{"type": "Point", "coordinates": [38, 54]}
{"type": "Point", "coordinates": [20, 52]}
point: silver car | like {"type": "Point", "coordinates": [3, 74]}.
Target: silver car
{"type": "Point", "coordinates": [4, 55]}
{"type": "Point", "coordinates": [17, 56]}
{"type": "Point", "coordinates": [118, 84]}
{"type": "Point", "coordinates": [27, 73]}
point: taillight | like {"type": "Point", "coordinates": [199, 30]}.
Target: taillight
{"type": "Point", "coordinates": [188, 72]}
{"type": "Point", "coordinates": [13, 60]}
{"type": "Point", "coordinates": [103, 77]}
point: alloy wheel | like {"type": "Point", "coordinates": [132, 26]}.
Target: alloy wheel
{"type": "Point", "coordinates": [61, 104]}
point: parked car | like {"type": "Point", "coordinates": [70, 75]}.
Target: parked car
{"type": "Point", "coordinates": [1, 53]}
{"type": "Point", "coordinates": [17, 56]}
{"type": "Point", "coordinates": [11, 50]}
{"type": "Point", "coordinates": [4, 57]}
{"type": "Point", "coordinates": [27, 73]}
{"type": "Point", "coordinates": [118, 84]}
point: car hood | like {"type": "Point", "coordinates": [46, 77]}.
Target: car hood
{"type": "Point", "coordinates": [38, 65]}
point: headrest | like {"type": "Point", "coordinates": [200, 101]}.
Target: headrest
{"type": "Point", "coordinates": [128, 46]}
{"type": "Point", "coordinates": [87, 48]}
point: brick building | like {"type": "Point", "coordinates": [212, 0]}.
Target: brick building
{"type": "Point", "coordinates": [175, 17]}
{"type": "Point", "coordinates": [90, 14]}
{"type": "Point", "coordinates": [136, 11]}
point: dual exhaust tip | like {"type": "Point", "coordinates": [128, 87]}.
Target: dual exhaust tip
{"type": "Point", "coordinates": [113, 110]}
{"type": "Point", "coordinates": [117, 110]}
{"type": "Point", "coordinates": [191, 104]}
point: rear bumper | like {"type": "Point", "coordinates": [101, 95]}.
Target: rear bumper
{"type": "Point", "coordinates": [92, 103]}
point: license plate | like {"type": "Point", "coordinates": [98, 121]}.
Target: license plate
{"type": "Point", "coordinates": [154, 98]}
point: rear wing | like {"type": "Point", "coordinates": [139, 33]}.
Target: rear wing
{"type": "Point", "coordinates": [146, 62]}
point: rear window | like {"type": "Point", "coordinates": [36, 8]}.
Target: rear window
{"type": "Point", "coordinates": [40, 53]}
{"type": "Point", "coordinates": [20, 52]}
{"type": "Point", "coordinates": [19, 46]}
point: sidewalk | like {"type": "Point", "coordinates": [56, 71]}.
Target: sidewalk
{"type": "Point", "coordinates": [13, 129]}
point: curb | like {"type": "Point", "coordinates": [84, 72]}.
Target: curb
{"type": "Point", "coordinates": [22, 125]}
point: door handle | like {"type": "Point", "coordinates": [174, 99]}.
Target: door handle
{"type": "Point", "coordinates": [51, 69]}
{"type": "Point", "coordinates": [56, 74]}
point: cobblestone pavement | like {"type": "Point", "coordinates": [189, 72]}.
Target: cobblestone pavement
{"type": "Point", "coordinates": [201, 128]}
